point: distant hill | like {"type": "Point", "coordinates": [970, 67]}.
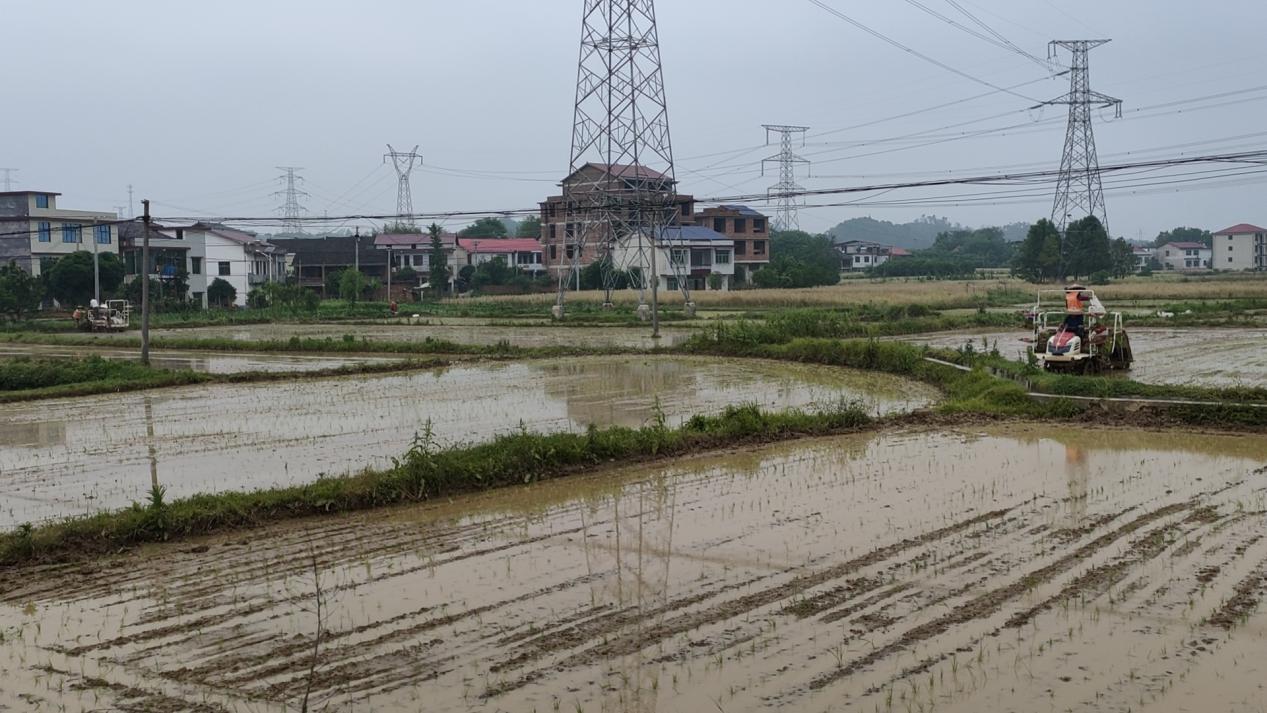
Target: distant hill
{"type": "Point", "coordinates": [916, 235]}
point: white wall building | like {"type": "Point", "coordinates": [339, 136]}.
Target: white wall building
{"type": "Point", "coordinates": [240, 258]}
{"type": "Point", "coordinates": [1184, 256]}
{"type": "Point", "coordinates": [1241, 247]}
{"type": "Point", "coordinates": [701, 257]}
{"type": "Point", "coordinates": [37, 232]}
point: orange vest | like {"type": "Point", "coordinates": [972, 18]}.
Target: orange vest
{"type": "Point", "coordinates": [1073, 301]}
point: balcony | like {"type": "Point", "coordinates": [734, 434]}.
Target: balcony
{"type": "Point", "coordinates": [256, 279]}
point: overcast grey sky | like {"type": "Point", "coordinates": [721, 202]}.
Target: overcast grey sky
{"type": "Point", "coordinates": [196, 103]}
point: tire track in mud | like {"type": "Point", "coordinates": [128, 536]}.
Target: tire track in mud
{"type": "Point", "coordinates": [991, 602]}
{"type": "Point", "coordinates": [627, 643]}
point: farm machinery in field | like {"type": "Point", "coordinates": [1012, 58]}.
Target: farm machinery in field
{"type": "Point", "coordinates": [113, 316]}
{"type": "Point", "coordinates": [1073, 333]}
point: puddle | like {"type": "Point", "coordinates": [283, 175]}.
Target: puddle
{"type": "Point", "coordinates": [72, 456]}
{"type": "Point", "coordinates": [206, 362]}
{"type": "Point", "coordinates": [462, 332]}
{"type": "Point", "coordinates": [1017, 568]}
{"type": "Point", "coordinates": [1201, 356]}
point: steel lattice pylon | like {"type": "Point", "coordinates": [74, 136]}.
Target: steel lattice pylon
{"type": "Point", "coordinates": [787, 190]}
{"type": "Point", "coordinates": [621, 191]}
{"type": "Point", "coordinates": [1078, 190]}
{"type": "Point", "coordinates": [404, 165]}
{"type": "Point", "coordinates": [291, 210]}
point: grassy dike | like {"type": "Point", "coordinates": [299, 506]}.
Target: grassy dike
{"type": "Point", "coordinates": [31, 379]}
{"type": "Point", "coordinates": [423, 473]}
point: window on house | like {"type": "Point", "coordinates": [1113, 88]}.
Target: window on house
{"type": "Point", "coordinates": [758, 247]}
{"type": "Point", "coordinates": [71, 233]}
{"type": "Point", "coordinates": [679, 256]}
{"type": "Point", "coordinates": [569, 252]}
{"type": "Point", "coordinates": [103, 234]}
{"type": "Point", "coordinates": [1229, 248]}
{"type": "Point", "coordinates": [741, 247]}
{"type": "Point", "coordinates": [223, 268]}
{"type": "Point", "coordinates": [741, 225]}
{"type": "Point", "coordinates": [758, 225]}
{"type": "Point", "coordinates": [41, 201]}
{"type": "Point", "coordinates": [554, 230]}
{"type": "Point", "coordinates": [719, 225]}
{"type": "Point", "coordinates": [45, 232]}
{"type": "Point", "coordinates": [670, 283]}
{"type": "Point", "coordinates": [195, 266]}
{"type": "Point", "coordinates": [1229, 259]}
{"type": "Point", "coordinates": [554, 252]}
{"type": "Point", "coordinates": [722, 258]}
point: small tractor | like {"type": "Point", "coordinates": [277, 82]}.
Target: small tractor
{"type": "Point", "coordinates": [1079, 337]}
{"type": "Point", "coordinates": [113, 316]}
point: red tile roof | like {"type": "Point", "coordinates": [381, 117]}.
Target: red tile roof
{"type": "Point", "coordinates": [1241, 228]}
{"type": "Point", "coordinates": [499, 246]}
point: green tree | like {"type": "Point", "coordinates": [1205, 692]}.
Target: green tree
{"type": "Point", "coordinates": [985, 247]}
{"type": "Point", "coordinates": [220, 293]}
{"type": "Point", "coordinates": [439, 260]}
{"type": "Point", "coordinates": [484, 228]}
{"type": "Point", "coordinates": [798, 259]}
{"type": "Point", "coordinates": [1038, 257]}
{"type": "Point", "coordinates": [401, 228]}
{"type": "Point", "coordinates": [69, 280]}
{"type": "Point", "coordinates": [1184, 235]}
{"type": "Point", "coordinates": [20, 292]}
{"type": "Point", "coordinates": [1123, 258]}
{"type": "Point", "coordinates": [529, 228]}
{"type": "Point", "coordinates": [1087, 247]}
{"type": "Point", "coordinates": [351, 285]}
{"type": "Point", "coordinates": [493, 272]}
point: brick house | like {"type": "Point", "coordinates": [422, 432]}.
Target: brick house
{"type": "Point", "coordinates": [623, 179]}
{"type": "Point", "coordinates": [750, 232]}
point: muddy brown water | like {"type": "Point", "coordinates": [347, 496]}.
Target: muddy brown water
{"type": "Point", "coordinates": [201, 361]}
{"type": "Point", "coordinates": [462, 332]}
{"type": "Point", "coordinates": [1019, 568]}
{"type": "Point", "coordinates": [1201, 356]}
{"type": "Point", "coordinates": [73, 456]}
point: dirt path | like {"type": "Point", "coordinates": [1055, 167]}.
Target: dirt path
{"type": "Point", "coordinates": [1021, 568]}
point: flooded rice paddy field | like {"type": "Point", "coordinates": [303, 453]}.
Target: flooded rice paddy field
{"type": "Point", "coordinates": [462, 332]}
{"type": "Point", "coordinates": [73, 456]}
{"type": "Point", "coordinates": [1019, 568]}
{"type": "Point", "coordinates": [1200, 356]}
{"type": "Point", "coordinates": [201, 361]}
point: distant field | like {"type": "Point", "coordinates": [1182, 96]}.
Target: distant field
{"type": "Point", "coordinates": [940, 293]}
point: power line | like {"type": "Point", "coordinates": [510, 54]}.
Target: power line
{"type": "Point", "coordinates": [914, 52]}
{"type": "Point", "coordinates": [993, 38]}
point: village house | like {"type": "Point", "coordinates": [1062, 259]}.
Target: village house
{"type": "Point", "coordinates": [523, 254]}
{"type": "Point", "coordinates": [859, 255]}
{"type": "Point", "coordinates": [35, 232]}
{"type": "Point", "coordinates": [1184, 256]}
{"type": "Point", "coordinates": [747, 229]}
{"type": "Point", "coordinates": [559, 236]}
{"type": "Point", "coordinates": [315, 261]}
{"type": "Point", "coordinates": [695, 256]}
{"type": "Point", "coordinates": [173, 250]}
{"type": "Point", "coordinates": [1240, 247]}
{"type": "Point", "coordinates": [413, 250]}
{"type": "Point", "coordinates": [238, 257]}
{"type": "Point", "coordinates": [1144, 255]}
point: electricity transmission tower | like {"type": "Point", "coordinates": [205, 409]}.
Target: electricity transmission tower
{"type": "Point", "coordinates": [291, 210]}
{"type": "Point", "coordinates": [404, 165]}
{"type": "Point", "coordinates": [1078, 190]}
{"type": "Point", "coordinates": [8, 178]}
{"type": "Point", "coordinates": [787, 189]}
{"type": "Point", "coordinates": [621, 193]}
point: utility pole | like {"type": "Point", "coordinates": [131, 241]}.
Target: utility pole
{"type": "Point", "coordinates": [96, 269]}
{"type": "Point", "coordinates": [1078, 190]}
{"type": "Point", "coordinates": [404, 165]}
{"type": "Point", "coordinates": [291, 210]}
{"type": "Point", "coordinates": [145, 283]}
{"type": "Point", "coordinates": [8, 178]}
{"type": "Point", "coordinates": [621, 185]}
{"type": "Point", "coordinates": [787, 190]}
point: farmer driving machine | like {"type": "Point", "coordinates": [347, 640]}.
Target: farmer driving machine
{"type": "Point", "coordinates": [113, 316]}
{"type": "Point", "coordinates": [1078, 336]}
